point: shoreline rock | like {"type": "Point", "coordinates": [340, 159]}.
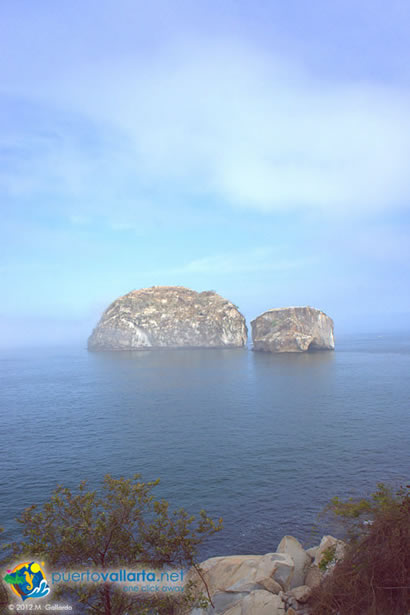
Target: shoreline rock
{"type": "Point", "coordinates": [292, 329]}
{"type": "Point", "coordinates": [169, 317]}
{"type": "Point", "coordinates": [271, 584]}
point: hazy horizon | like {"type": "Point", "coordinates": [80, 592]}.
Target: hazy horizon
{"type": "Point", "coordinates": [259, 150]}
{"type": "Point", "coordinates": [59, 333]}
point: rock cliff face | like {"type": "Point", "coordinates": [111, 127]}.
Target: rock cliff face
{"type": "Point", "coordinates": [293, 329]}
{"type": "Point", "coordinates": [169, 317]}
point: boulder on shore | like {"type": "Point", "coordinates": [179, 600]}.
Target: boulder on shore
{"type": "Point", "coordinates": [169, 317]}
{"type": "Point", "coordinates": [301, 559]}
{"type": "Point", "coordinates": [242, 583]}
{"type": "Point", "coordinates": [271, 584]}
{"type": "Point", "coordinates": [292, 329]}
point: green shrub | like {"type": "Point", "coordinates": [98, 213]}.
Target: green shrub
{"type": "Point", "coordinates": [123, 526]}
{"type": "Point", "coordinates": [327, 558]}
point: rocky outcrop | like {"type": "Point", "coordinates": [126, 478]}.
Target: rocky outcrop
{"type": "Point", "coordinates": [301, 560]}
{"type": "Point", "coordinates": [169, 317]}
{"type": "Point", "coordinates": [326, 555]}
{"type": "Point", "coordinates": [292, 329]}
{"type": "Point", "coordinates": [260, 602]}
{"type": "Point", "coordinates": [271, 584]}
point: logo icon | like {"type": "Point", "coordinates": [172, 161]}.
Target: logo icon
{"type": "Point", "coordinates": [28, 580]}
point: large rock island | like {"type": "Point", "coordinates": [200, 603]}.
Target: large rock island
{"type": "Point", "coordinates": [292, 329]}
{"type": "Point", "coordinates": [169, 317]}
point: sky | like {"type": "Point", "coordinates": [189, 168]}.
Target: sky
{"type": "Point", "coordinates": [259, 149]}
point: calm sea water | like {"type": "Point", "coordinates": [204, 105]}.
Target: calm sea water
{"type": "Point", "coordinates": [262, 440]}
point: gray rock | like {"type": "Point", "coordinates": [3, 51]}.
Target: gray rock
{"type": "Point", "coordinates": [263, 584]}
{"type": "Point", "coordinates": [292, 602]}
{"type": "Point", "coordinates": [330, 542]}
{"type": "Point", "coordinates": [301, 559]}
{"type": "Point", "coordinates": [245, 573]}
{"type": "Point", "coordinates": [225, 600]}
{"type": "Point", "coordinates": [312, 551]}
{"type": "Point", "coordinates": [282, 567]}
{"type": "Point", "coordinates": [231, 579]}
{"type": "Point", "coordinates": [258, 602]}
{"type": "Point", "coordinates": [292, 329]}
{"type": "Point", "coordinates": [313, 576]}
{"type": "Point", "coordinates": [301, 593]}
{"type": "Point", "coordinates": [169, 317]}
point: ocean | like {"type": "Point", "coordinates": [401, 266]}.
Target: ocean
{"type": "Point", "coordinates": [262, 440]}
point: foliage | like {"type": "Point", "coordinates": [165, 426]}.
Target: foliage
{"type": "Point", "coordinates": [355, 513]}
{"type": "Point", "coordinates": [374, 576]}
{"type": "Point", "coordinates": [123, 526]}
{"type": "Point", "coordinates": [327, 558]}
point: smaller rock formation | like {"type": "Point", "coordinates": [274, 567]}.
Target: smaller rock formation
{"type": "Point", "coordinates": [292, 329]}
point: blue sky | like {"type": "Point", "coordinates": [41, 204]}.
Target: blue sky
{"type": "Point", "coordinates": [260, 149]}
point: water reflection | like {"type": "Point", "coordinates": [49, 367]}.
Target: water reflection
{"type": "Point", "coordinates": [262, 440]}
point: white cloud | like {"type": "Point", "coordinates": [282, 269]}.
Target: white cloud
{"type": "Point", "coordinates": [250, 261]}
{"type": "Point", "coordinates": [249, 130]}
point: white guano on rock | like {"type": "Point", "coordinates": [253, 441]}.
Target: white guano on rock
{"type": "Point", "coordinates": [169, 317]}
